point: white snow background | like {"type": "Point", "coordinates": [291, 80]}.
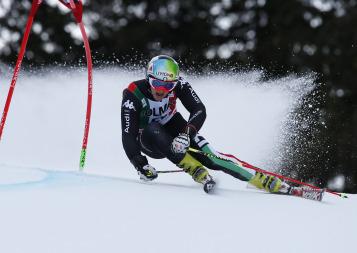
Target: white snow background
{"type": "Point", "coordinates": [47, 205]}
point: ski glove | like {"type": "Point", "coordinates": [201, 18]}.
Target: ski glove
{"type": "Point", "coordinates": [181, 143]}
{"type": "Point", "coordinates": [145, 171]}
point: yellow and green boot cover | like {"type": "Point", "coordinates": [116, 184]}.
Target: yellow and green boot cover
{"type": "Point", "coordinates": [266, 182]}
{"type": "Point", "coordinates": [194, 168]}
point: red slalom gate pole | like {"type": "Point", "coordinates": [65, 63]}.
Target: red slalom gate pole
{"type": "Point", "coordinates": [89, 99]}
{"type": "Point", "coordinates": [247, 165]}
{"type": "Point", "coordinates": [35, 5]}
{"type": "Point", "coordinates": [77, 9]}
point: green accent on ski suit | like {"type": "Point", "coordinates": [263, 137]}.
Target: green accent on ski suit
{"type": "Point", "coordinates": [259, 180]}
{"type": "Point", "coordinates": [244, 174]}
{"type": "Point", "coordinates": [144, 116]}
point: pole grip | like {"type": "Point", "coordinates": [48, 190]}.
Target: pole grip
{"type": "Point", "coordinates": [169, 171]}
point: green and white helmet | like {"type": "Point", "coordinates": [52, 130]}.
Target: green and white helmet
{"type": "Point", "coordinates": [163, 68]}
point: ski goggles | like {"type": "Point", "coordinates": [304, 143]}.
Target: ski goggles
{"type": "Point", "coordinates": [166, 86]}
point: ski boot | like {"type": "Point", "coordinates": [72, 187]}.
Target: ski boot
{"type": "Point", "coordinates": [276, 185]}
{"type": "Point", "coordinates": [268, 183]}
{"type": "Point", "coordinates": [209, 184]}
{"type": "Point", "coordinates": [194, 168]}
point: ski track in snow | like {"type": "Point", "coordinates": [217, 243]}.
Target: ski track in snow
{"type": "Point", "coordinates": [48, 206]}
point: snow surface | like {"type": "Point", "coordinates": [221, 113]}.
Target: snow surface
{"type": "Point", "coordinates": [46, 205]}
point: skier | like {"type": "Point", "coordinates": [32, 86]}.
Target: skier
{"type": "Point", "coordinates": [152, 125]}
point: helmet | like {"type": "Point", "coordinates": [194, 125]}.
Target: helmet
{"type": "Point", "coordinates": [162, 73]}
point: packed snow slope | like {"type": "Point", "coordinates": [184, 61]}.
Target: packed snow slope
{"type": "Point", "coordinates": [48, 206]}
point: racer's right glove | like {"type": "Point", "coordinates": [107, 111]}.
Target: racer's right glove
{"type": "Point", "coordinates": [145, 170]}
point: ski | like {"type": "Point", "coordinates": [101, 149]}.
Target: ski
{"type": "Point", "coordinates": [307, 193]}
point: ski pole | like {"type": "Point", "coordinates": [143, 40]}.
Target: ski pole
{"type": "Point", "coordinates": [169, 171]}
{"type": "Point", "coordinates": [35, 5]}
{"type": "Point", "coordinates": [247, 165]}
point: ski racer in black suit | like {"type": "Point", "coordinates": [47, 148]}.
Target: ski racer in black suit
{"type": "Point", "coordinates": [152, 126]}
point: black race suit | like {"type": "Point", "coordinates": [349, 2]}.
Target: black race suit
{"type": "Point", "coordinates": [150, 126]}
